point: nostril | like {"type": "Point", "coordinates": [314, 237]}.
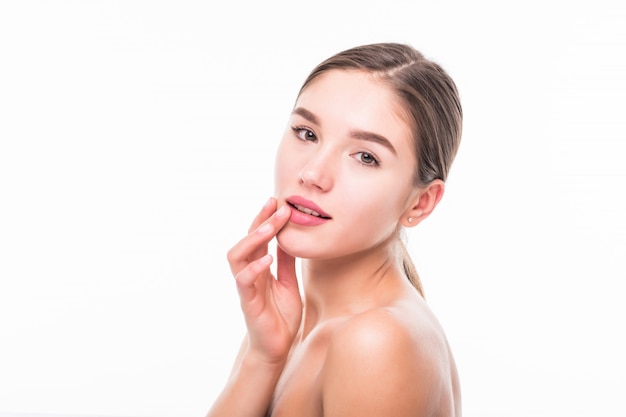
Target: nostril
{"type": "Point", "coordinates": [314, 178]}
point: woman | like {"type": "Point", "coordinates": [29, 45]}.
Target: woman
{"type": "Point", "coordinates": [370, 141]}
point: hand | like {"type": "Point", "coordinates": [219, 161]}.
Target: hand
{"type": "Point", "coordinates": [272, 307]}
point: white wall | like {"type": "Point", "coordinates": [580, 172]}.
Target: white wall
{"type": "Point", "coordinates": [137, 141]}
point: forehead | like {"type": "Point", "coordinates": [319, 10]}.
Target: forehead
{"type": "Point", "coordinates": [358, 100]}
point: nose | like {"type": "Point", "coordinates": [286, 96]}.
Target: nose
{"type": "Point", "coordinates": [317, 173]}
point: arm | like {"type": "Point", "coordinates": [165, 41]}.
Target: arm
{"type": "Point", "coordinates": [249, 389]}
{"type": "Point", "coordinates": [272, 310]}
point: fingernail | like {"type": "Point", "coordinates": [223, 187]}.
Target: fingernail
{"type": "Point", "coordinates": [265, 228]}
{"type": "Point", "coordinates": [281, 211]}
{"type": "Point", "coordinates": [268, 202]}
{"type": "Point", "coordinates": [266, 260]}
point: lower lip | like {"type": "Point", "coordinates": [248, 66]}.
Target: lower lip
{"type": "Point", "coordinates": [303, 219]}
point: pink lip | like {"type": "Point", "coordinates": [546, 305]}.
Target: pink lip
{"type": "Point", "coordinates": [305, 219]}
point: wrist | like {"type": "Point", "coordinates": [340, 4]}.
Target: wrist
{"type": "Point", "coordinates": [249, 389]}
{"type": "Point", "coordinates": [260, 362]}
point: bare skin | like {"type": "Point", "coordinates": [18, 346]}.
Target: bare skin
{"type": "Point", "coordinates": [352, 364]}
{"type": "Point", "coordinates": [385, 355]}
{"type": "Point", "coordinates": [360, 341]}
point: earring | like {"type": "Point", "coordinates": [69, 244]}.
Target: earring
{"type": "Point", "coordinates": [410, 219]}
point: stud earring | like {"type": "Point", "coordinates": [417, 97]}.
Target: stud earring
{"type": "Point", "coordinates": [410, 219]}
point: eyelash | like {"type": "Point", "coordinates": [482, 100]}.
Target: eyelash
{"type": "Point", "coordinates": [375, 162]}
{"type": "Point", "coordinates": [299, 130]}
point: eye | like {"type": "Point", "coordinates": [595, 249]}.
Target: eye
{"type": "Point", "coordinates": [304, 133]}
{"type": "Point", "coordinates": [367, 158]}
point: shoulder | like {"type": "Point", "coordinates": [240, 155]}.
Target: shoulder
{"type": "Point", "coordinates": [385, 364]}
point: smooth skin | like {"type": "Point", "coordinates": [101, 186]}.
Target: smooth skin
{"type": "Point", "coordinates": [272, 309]}
{"type": "Point", "coordinates": [362, 341]}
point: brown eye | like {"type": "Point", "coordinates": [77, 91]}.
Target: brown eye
{"type": "Point", "coordinates": [305, 134]}
{"type": "Point", "coordinates": [367, 158]}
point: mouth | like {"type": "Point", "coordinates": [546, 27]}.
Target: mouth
{"type": "Point", "coordinates": [308, 211]}
{"type": "Point", "coordinates": [305, 206]}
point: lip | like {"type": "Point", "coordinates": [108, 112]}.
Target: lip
{"type": "Point", "coordinates": [304, 219]}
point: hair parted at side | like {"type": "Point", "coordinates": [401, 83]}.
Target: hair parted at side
{"type": "Point", "coordinates": [430, 99]}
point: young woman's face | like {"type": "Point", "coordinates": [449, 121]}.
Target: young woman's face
{"type": "Point", "coordinates": [348, 156]}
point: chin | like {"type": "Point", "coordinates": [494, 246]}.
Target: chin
{"type": "Point", "coordinates": [298, 246]}
{"type": "Point", "coordinates": [290, 245]}
{"type": "Point", "coordinates": [305, 246]}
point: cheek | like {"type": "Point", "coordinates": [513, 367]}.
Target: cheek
{"type": "Point", "coordinates": [373, 214]}
{"type": "Point", "coordinates": [381, 196]}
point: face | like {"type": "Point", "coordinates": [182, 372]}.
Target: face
{"type": "Point", "coordinates": [345, 167]}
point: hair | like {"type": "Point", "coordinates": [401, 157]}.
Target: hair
{"type": "Point", "coordinates": [431, 101]}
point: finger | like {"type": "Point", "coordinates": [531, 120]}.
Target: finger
{"type": "Point", "coordinates": [264, 214]}
{"type": "Point", "coordinates": [248, 276]}
{"type": "Point", "coordinates": [286, 269]}
{"type": "Point", "coordinates": [234, 255]}
{"type": "Point", "coordinates": [254, 245]}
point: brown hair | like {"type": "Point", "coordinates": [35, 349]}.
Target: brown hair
{"type": "Point", "coordinates": [430, 99]}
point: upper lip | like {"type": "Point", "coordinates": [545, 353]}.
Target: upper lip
{"type": "Point", "coordinates": [301, 201]}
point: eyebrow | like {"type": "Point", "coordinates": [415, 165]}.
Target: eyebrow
{"type": "Point", "coordinates": [373, 137]}
{"type": "Point", "coordinates": [355, 134]}
{"type": "Point", "coordinates": [306, 114]}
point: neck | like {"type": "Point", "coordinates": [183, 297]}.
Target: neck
{"type": "Point", "coordinates": [340, 287]}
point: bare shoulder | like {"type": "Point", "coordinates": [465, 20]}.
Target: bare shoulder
{"type": "Point", "coordinates": [389, 361]}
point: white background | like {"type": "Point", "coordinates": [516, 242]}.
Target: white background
{"type": "Point", "coordinates": [137, 141]}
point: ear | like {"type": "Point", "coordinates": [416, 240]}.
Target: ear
{"type": "Point", "coordinates": [423, 203]}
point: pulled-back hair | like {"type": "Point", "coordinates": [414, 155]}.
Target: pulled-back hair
{"type": "Point", "coordinates": [430, 99]}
